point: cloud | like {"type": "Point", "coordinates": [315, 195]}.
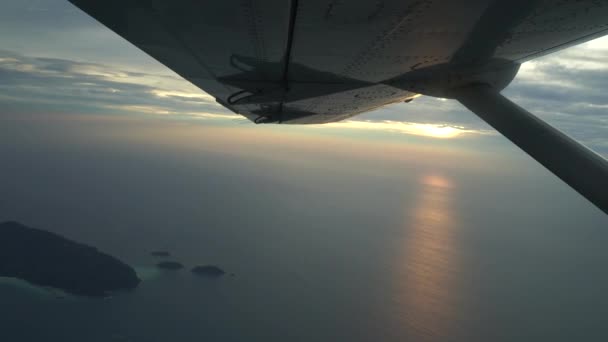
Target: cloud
{"type": "Point", "coordinates": [441, 131]}
{"type": "Point", "coordinates": [566, 89]}
{"type": "Point", "coordinates": [95, 87]}
{"type": "Point", "coordinates": [89, 87]}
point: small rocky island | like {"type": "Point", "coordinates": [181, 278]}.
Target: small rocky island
{"type": "Point", "coordinates": [46, 259]}
{"type": "Point", "coordinates": [162, 254]}
{"type": "Point", "coordinates": [208, 270]}
{"type": "Point", "coordinates": [170, 265]}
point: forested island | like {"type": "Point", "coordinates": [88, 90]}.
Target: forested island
{"type": "Point", "coordinates": [47, 259]}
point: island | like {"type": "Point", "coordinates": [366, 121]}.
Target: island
{"type": "Point", "coordinates": [170, 265]}
{"type": "Point", "coordinates": [160, 254]}
{"type": "Point", "coordinates": [208, 270]}
{"type": "Point", "coordinates": [47, 259]}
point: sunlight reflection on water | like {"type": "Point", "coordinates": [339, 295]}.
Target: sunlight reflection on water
{"type": "Point", "coordinates": [425, 271]}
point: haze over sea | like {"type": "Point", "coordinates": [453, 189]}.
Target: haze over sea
{"type": "Point", "coordinates": [415, 222]}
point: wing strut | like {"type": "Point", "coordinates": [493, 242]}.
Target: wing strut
{"type": "Point", "coordinates": [582, 169]}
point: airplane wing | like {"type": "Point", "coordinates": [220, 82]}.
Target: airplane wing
{"type": "Point", "coordinates": [318, 61]}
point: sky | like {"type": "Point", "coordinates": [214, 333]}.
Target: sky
{"type": "Point", "coordinates": [59, 66]}
{"type": "Point", "coordinates": [54, 58]}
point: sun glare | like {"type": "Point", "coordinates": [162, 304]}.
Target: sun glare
{"type": "Point", "coordinates": [188, 95]}
{"type": "Point", "coordinates": [439, 131]}
{"type": "Point", "coordinates": [436, 131]}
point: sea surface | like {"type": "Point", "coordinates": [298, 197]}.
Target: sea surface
{"type": "Point", "coordinates": [329, 249]}
{"type": "Point", "coordinates": [425, 274]}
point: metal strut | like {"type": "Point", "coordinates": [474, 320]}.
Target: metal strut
{"type": "Point", "coordinates": [581, 168]}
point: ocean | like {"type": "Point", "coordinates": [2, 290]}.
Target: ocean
{"type": "Point", "coordinates": [324, 246]}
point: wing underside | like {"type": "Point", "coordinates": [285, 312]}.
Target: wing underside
{"type": "Point", "coordinates": [320, 61]}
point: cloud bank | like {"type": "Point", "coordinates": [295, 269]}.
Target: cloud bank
{"type": "Point", "coordinates": [58, 60]}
